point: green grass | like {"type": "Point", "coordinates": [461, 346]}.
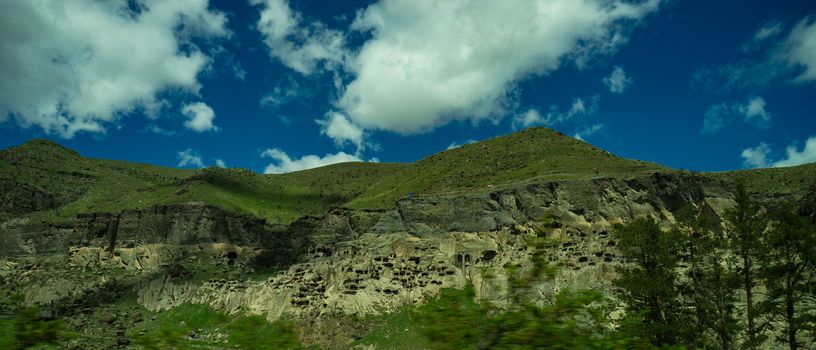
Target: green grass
{"type": "Point", "coordinates": [84, 185]}
{"type": "Point", "coordinates": [535, 154]}
{"type": "Point", "coordinates": [193, 326]}
{"type": "Point", "coordinates": [394, 331]}
{"type": "Point", "coordinates": [795, 181]}
{"type": "Point", "coordinates": [188, 326]}
{"type": "Point", "coordinates": [7, 340]}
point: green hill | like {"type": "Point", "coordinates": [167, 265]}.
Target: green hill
{"type": "Point", "coordinates": [76, 184]}
{"type": "Point", "coordinates": [532, 154]}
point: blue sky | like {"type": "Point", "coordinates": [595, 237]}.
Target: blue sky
{"type": "Point", "coordinates": [276, 86]}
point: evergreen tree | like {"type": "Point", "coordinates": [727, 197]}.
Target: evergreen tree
{"type": "Point", "coordinates": [709, 286]}
{"type": "Point", "coordinates": [788, 269]}
{"type": "Point", "coordinates": [746, 223]}
{"type": "Point", "coordinates": [648, 285]}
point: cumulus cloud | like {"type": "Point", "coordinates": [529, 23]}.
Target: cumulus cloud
{"type": "Point", "coordinates": [795, 157]}
{"type": "Point", "coordinates": [189, 157]}
{"type": "Point", "coordinates": [220, 163]}
{"type": "Point", "coordinates": [579, 107]}
{"type": "Point", "coordinates": [752, 112]}
{"type": "Point", "coordinates": [759, 156]}
{"type": "Point", "coordinates": [298, 45]}
{"type": "Point", "coordinates": [74, 66]}
{"type": "Point", "coordinates": [200, 117]}
{"type": "Point", "coordinates": [457, 144]}
{"type": "Point", "coordinates": [458, 60]}
{"type": "Point", "coordinates": [617, 81]}
{"type": "Point", "coordinates": [531, 117]}
{"type": "Point", "coordinates": [282, 163]}
{"type": "Point", "coordinates": [589, 131]}
{"type": "Point", "coordinates": [800, 49]}
{"type": "Point", "coordinates": [341, 130]}
{"type": "Point", "coordinates": [756, 157]}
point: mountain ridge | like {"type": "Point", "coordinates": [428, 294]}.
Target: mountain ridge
{"type": "Point", "coordinates": [76, 184]}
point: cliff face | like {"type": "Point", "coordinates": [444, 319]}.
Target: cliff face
{"type": "Point", "coordinates": [181, 224]}
{"type": "Point", "coordinates": [174, 224]}
{"type": "Point", "coordinates": [347, 262]}
{"type": "Point", "coordinates": [598, 200]}
{"type": "Point", "coordinates": [808, 207]}
{"type": "Point", "coordinates": [19, 198]}
{"type": "Point", "coordinates": [365, 263]}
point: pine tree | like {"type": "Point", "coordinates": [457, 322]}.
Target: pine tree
{"type": "Point", "coordinates": [649, 286]}
{"type": "Point", "coordinates": [746, 222]}
{"type": "Point", "coordinates": [709, 285]}
{"type": "Point", "coordinates": [788, 269]}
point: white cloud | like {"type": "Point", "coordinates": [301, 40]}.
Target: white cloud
{"type": "Point", "coordinates": [756, 157]}
{"type": "Point", "coordinates": [715, 118]}
{"type": "Point", "coordinates": [531, 117]}
{"type": "Point", "coordinates": [189, 157]}
{"type": "Point", "coordinates": [589, 131]}
{"type": "Point", "coordinates": [788, 56]}
{"type": "Point", "coordinates": [796, 157]}
{"type": "Point", "coordinates": [458, 60]}
{"type": "Point", "coordinates": [220, 163]}
{"type": "Point", "coordinates": [759, 156]}
{"type": "Point", "coordinates": [617, 81]}
{"type": "Point", "coordinates": [457, 145]}
{"type": "Point", "coordinates": [200, 117]}
{"type": "Point", "coordinates": [579, 107]}
{"type": "Point", "coordinates": [159, 130]}
{"type": "Point", "coordinates": [287, 90]}
{"type": "Point", "coordinates": [767, 31]}
{"type": "Point", "coordinates": [285, 164]}
{"type": "Point", "coordinates": [299, 46]}
{"type": "Point", "coordinates": [799, 48]}
{"type": "Point", "coordinates": [73, 66]}
{"type": "Point", "coordinates": [752, 112]}
{"type": "Point", "coordinates": [341, 130]}
{"type": "Point", "coordinates": [763, 35]}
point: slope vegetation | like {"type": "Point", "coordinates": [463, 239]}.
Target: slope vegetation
{"type": "Point", "coordinates": [45, 181]}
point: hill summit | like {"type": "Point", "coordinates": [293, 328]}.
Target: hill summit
{"type": "Point", "coordinates": [80, 184]}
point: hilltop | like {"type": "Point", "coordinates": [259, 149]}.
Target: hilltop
{"type": "Point", "coordinates": [70, 184]}
{"type": "Point", "coordinates": [44, 180]}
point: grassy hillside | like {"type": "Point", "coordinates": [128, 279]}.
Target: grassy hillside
{"type": "Point", "coordinates": [776, 182]}
{"type": "Point", "coordinates": [92, 185]}
{"type": "Point", "coordinates": [532, 154]}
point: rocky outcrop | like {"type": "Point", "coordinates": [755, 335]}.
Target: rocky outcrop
{"type": "Point", "coordinates": [808, 206]}
{"type": "Point", "coordinates": [431, 242]}
{"type": "Point", "coordinates": [378, 273]}
{"type": "Point", "coordinates": [593, 200]}
{"type": "Point", "coordinates": [20, 198]}
{"type": "Point", "coordinates": [26, 237]}
{"type": "Point", "coordinates": [176, 224]}
{"type": "Point", "coordinates": [180, 224]}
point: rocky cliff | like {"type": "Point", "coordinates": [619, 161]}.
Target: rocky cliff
{"type": "Point", "coordinates": [180, 224]}
{"type": "Point", "coordinates": [348, 262]}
